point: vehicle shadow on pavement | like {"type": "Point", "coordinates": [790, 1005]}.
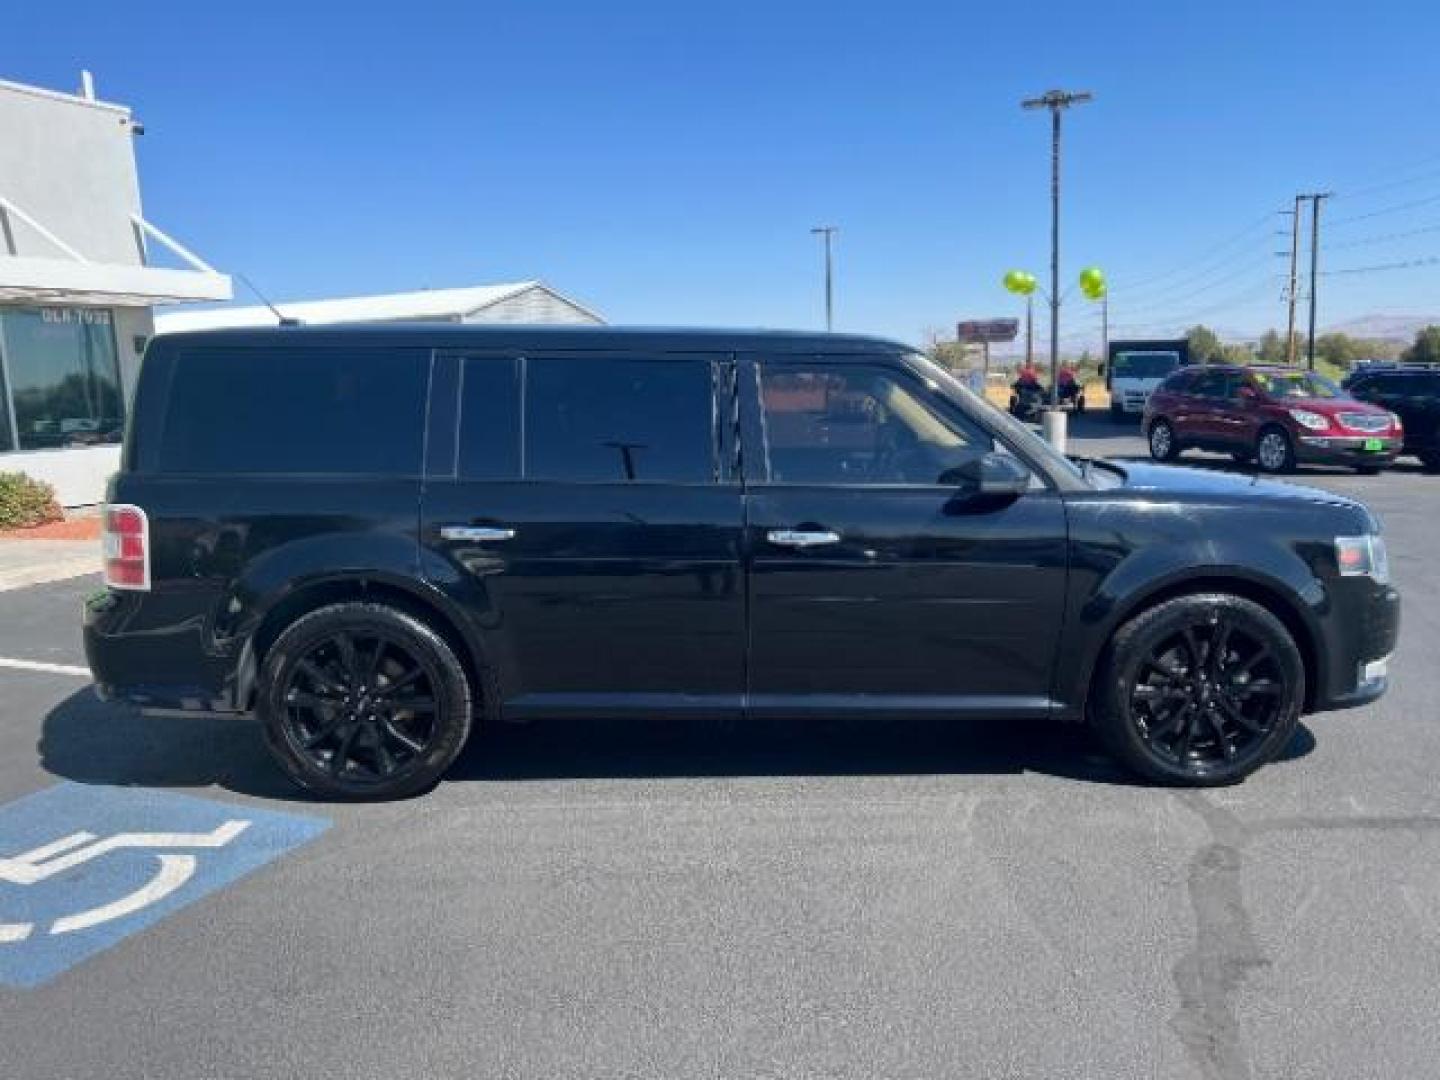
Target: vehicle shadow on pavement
{"type": "Point", "coordinates": [633, 749]}
{"type": "Point", "coordinates": [89, 741]}
{"type": "Point", "coordinates": [93, 742]}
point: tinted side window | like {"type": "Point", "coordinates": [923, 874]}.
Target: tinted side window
{"type": "Point", "coordinates": [619, 419]}
{"type": "Point", "coordinates": [489, 419]}
{"type": "Point", "coordinates": [848, 425]}
{"type": "Point", "coordinates": [289, 411]}
{"type": "Point", "coordinates": [1209, 384]}
{"type": "Point", "coordinates": [1179, 383]}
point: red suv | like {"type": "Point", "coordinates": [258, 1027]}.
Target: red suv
{"type": "Point", "coordinates": [1277, 416]}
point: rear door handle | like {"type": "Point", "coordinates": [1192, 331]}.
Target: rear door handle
{"type": "Point", "coordinates": [802, 538]}
{"type": "Point", "coordinates": [476, 532]}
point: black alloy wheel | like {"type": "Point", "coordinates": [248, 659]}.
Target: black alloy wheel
{"type": "Point", "coordinates": [1201, 690]}
{"type": "Point", "coordinates": [364, 701]}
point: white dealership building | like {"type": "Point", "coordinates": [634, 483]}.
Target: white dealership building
{"type": "Point", "coordinates": [81, 267]}
{"type": "Point", "coordinates": [83, 270]}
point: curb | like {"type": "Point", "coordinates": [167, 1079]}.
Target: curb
{"type": "Point", "coordinates": [61, 570]}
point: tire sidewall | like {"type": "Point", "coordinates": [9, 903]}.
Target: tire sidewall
{"type": "Point", "coordinates": [1171, 450]}
{"type": "Point", "coordinates": [452, 690]}
{"type": "Point", "coordinates": [1131, 645]}
{"type": "Point", "coordinates": [1287, 463]}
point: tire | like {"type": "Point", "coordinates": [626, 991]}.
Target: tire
{"type": "Point", "coordinates": [1274, 452]}
{"type": "Point", "coordinates": [1175, 716]}
{"type": "Point", "coordinates": [1164, 446]}
{"type": "Point", "coordinates": [365, 704]}
{"type": "Point", "coordinates": [1430, 459]}
{"type": "Point", "coordinates": [1368, 470]}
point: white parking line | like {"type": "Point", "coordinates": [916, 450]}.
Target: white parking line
{"type": "Point", "coordinates": [49, 669]}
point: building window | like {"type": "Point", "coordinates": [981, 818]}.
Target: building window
{"type": "Point", "coordinates": [63, 377]}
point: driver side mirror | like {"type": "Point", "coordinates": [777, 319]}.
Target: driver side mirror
{"type": "Point", "coordinates": [1247, 395]}
{"type": "Point", "coordinates": [993, 475]}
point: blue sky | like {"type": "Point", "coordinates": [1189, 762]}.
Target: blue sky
{"type": "Point", "coordinates": [664, 162]}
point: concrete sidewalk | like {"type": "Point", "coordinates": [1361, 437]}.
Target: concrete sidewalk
{"type": "Point", "coordinates": [34, 562]}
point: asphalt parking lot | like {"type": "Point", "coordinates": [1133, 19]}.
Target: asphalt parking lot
{"type": "Point", "coordinates": [867, 901]}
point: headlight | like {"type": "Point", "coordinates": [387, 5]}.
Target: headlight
{"type": "Point", "coordinates": [1312, 420]}
{"type": "Point", "coordinates": [1363, 556]}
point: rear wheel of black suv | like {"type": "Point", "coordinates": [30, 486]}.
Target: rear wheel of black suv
{"type": "Point", "coordinates": [363, 701]}
{"type": "Point", "coordinates": [1200, 690]}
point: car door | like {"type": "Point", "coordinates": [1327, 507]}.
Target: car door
{"type": "Point", "coordinates": [1234, 415]}
{"type": "Point", "coordinates": [1206, 401]}
{"type": "Point", "coordinates": [875, 583]}
{"type": "Point", "coordinates": [584, 510]}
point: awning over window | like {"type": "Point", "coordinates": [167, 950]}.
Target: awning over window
{"type": "Point", "coordinates": [29, 280]}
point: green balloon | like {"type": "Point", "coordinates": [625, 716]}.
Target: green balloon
{"type": "Point", "coordinates": [1092, 282]}
{"type": "Point", "coordinates": [1019, 282]}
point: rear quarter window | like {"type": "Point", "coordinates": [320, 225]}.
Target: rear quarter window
{"type": "Point", "coordinates": [335, 411]}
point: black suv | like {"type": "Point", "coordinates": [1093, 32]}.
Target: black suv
{"type": "Point", "coordinates": [1411, 393]}
{"type": "Point", "coordinates": [376, 538]}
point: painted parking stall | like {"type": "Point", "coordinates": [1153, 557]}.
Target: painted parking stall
{"type": "Point", "coordinates": [84, 867]}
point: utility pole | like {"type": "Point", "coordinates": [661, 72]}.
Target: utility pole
{"type": "Point", "coordinates": [1294, 259]}
{"type": "Point", "coordinates": [1056, 101]}
{"type": "Point", "coordinates": [1314, 266]}
{"type": "Point", "coordinates": [1029, 329]}
{"type": "Point", "coordinates": [828, 231]}
{"type": "Point", "coordinates": [1105, 328]}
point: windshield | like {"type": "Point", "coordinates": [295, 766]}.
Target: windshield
{"type": "Point", "coordinates": [1145, 365]}
{"type": "Point", "coordinates": [1013, 431]}
{"type": "Point", "coordinates": [1297, 384]}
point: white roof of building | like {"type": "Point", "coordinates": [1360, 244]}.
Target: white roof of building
{"type": "Point", "coordinates": [387, 307]}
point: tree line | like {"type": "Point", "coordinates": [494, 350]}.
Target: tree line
{"type": "Point", "coordinates": [1332, 350]}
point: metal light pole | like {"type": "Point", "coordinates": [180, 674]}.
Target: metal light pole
{"type": "Point", "coordinates": [828, 231]}
{"type": "Point", "coordinates": [1056, 101]}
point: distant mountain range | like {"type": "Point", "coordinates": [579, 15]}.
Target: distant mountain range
{"type": "Point", "coordinates": [1385, 327]}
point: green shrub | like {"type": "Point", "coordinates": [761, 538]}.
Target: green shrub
{"type": "Point", "coordinates": [25, 503]}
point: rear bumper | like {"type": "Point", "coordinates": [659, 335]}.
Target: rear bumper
{"type": "Point", "coordinates": [153, 667]}
{"type": "Point", "coordinates": [1345, 450]}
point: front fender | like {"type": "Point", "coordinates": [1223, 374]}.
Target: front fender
{"type": "Point", "coordinates": [1108, 586]}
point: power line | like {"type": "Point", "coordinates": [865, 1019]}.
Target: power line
{"type": "Point", "coordinates": [1374, 189]}
{"type": "Point", "coordinates": [1251, 291]}
{"type": "Point", "coordinates": [1143, 284]}
{"type": "Point", "coordinates": [1383, 238]}
{"type": "Point", "coordinates": [1395, 209]}
{"type": "Point", "coordinates": [1171, 297]}
{"type": "Point", "coordinates": [1431, 260]}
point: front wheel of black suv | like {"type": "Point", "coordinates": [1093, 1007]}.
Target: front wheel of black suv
{"type": "Point", "coordinates": [1200, 690]}
{"type": "Point", "coordinates": [363, 701]}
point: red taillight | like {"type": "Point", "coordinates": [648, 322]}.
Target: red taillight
{"type": "Point", "coordinates": [127, 548]}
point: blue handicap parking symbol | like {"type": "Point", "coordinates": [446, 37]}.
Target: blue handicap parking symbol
{"type": "Point", "coordinates": [84, 867]}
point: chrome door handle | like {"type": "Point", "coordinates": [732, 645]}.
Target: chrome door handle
{"type": "Point", "coordinates": [476, 532]}
{"type": "Point", "coordinates": [802, 538]}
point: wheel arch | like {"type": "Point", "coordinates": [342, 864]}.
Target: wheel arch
{"type": "Point", "coordinates": [1272, 596]}
{"type": "Point", "coordinates": [425, 605]}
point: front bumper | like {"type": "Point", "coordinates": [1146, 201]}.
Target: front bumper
{"type": "Point", "coordinates": [1361, 633]}
{"type": "Point", "coordinates": [1346, 449]}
